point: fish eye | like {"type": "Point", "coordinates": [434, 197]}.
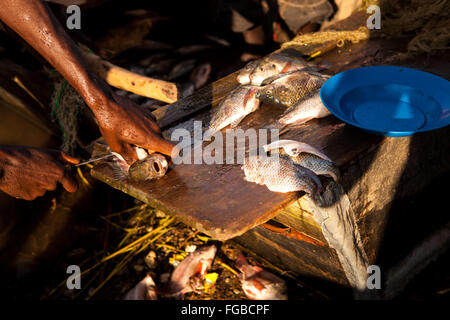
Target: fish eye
{"type": "Point", "coordinates": [273, 65]}
{"type": "Point", "coordinates": [268, 91]}
{"type": "Point", "coordinates": [261, 68]}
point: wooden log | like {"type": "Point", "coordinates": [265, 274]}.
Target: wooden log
{"type": "Point", "coordinates": [123, 79]}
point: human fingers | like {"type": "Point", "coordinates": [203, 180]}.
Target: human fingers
{"type": "Point", "coordinates": [69, 182]}
{"type": "Point", "coordinates": [68, 159]}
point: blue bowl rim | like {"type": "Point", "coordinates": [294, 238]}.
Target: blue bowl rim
{"type": "Point", "coordinates": [375, 130]}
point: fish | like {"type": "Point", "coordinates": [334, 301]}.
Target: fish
{"type": "Point", "coordinates": [281, 174]}
{"type": "Point", "coordinates": [259, 284]}
{"type": "Point", "coordinates": [189, 274]}
{"type": "Point", "coordinates": [182, 68]}
{"type": "Point", "coordinates": [293, 148]}
{"type": "Point", "coordinates": [255, 72]}
{"type": "Point", "coordinates": [153, 166]}
{"type": "Point", "coordinates": [147, 167]}
{"type": "Point", "coordinates": [317, 165]}
{"type": "Point", "coordinates": [233, 109]}
{"type": "Point", "coordinates": [161, 66]}
{"type": "Point", "coordinates": [287, 88]}
{"type": "Point", "coordinates": [144, 290]}
{"type": "Point", "coordinates": [193, 49]}
{"type": "Point", "coordinates": [308, 108]}
{"type": "Point", "coordinates": [306, 156]}
{"type": "Point", "coordinates": [199, 76]}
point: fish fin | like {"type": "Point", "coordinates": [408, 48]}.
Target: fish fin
{"type": "Point", "coordinates": [300, 147]}
{"type": "Point", "coordinates": [118, 172]}
{"type": "Point", "coordinates": [271, 79]}
{"type": "Point", "coordinates": [310, 69]}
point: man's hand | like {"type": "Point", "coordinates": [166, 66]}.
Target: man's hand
{"type": "Point", "coordinates": [124, 125]}
{"type": "Point", "coordinates": [121, 123]}
{"type": "Point", "coordinates": [27, 172]}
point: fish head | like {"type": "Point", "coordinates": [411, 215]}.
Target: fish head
{"type": "Point", "coordinates": [189, 274]}
{"type": "Point", "coordinates": [263, 71]}
{"type": "Point", "coordinates": [259, 284]}
{"type": "Point", "coordinates": [203, 259]}
{"type": "Point", "coordinates": [244, 75]}
{"type": "Point", "coordinates": [259, 288]}
{"type": "Point", "coordinates": [251, 101]}
{"type": "Point", "coordinates": [265, 93]}
{"type": "Point", "coordinates": [152, 167]}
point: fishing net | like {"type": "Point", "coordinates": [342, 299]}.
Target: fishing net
{"type": "Point", "coordinates": [424, 21]}
{"type": "Point", "coordinates": [66, 105]}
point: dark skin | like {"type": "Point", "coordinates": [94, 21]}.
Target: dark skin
{"type": "Point", "coordinates": [122, 123]}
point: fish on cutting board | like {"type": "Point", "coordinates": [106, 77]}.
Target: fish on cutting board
{"type": "Point", "coordinates": [308, 108]}
{"type": "Point", "coordinates": [255, 72]}
{"type": "Point", "coordinates": [306, 156]}
{"type": "Point", "coordinates": [189, 274]}
{"type": "Point", "coordinates": [287, 88]}
{"type": "Point", "coordinates": [147, 167]}
{"type": "Point", "coordinates": [281, 174]}
{"type": "Point", "coordinates": [259, 284]}
{"type": "Point", "coordinates": [233, 109]}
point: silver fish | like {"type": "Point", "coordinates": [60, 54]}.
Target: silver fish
{"type": "Point", "coordinates": [308, 108]}
{"type": "Point", "coordinates": [294, 148]}
{"type": "Point", "coordinates": [181, 69]}
{"type": "Point", "coordinates": [306, 156]}
{"type": "Point", "coordinates": [154, 166]}
{"type": "Point", "coordinates": [257, 71]}
{"type": "Point", "coordinates": [187, 275]}
{"type": "Point", "coordinates": [199, 76]}
{"type": "Point", "coordinates": [317, 165]}
{"type": "Point", "coordinates": [288, 88]}
{"type": "Point", "coordinates": [144, 290]}
{"type": "Point", "coordinates": [259, 284]}
{"type": "Point", "coordinates": [236, 106]}
{"type": "Point", "coordinates": [281, 174]}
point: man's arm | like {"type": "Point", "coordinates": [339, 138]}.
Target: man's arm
{"type": "Point", "coordinates": [121, 123]}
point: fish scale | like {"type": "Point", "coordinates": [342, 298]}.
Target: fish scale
{"type": "Point", "coordinates": [316, 164]}
{"type": "Point", "coordinates": [281, 174]}
{"type": "Point", "coordinates": [286, 89]}
{"type": "Point", "coordinates": [237, 104]}
{"type": "Point", "coordinates": [257, 71]}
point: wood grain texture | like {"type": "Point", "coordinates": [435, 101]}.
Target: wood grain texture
{"type": "Point", "coordinates": [216, 199]}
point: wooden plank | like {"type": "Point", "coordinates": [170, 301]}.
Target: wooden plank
{"type": "Point", "coordinates": [215, 198]}
{"type": "Point", "coordinates": [207, 96]}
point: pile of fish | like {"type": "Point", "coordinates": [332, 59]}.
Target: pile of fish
{"type": "Point", "coordinates": [295, 169]}
{"type": "Point", "coordinates": [187, 66]}
{"type": "Point", "coordinates": [189, 275]}
{"type": "Point", "coordinates": [282, 78]}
